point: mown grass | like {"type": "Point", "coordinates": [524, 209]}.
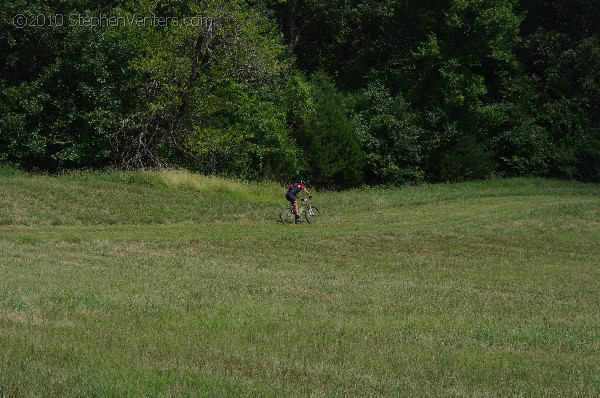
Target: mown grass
{"type": "Point", "coordinates": [171, 284]}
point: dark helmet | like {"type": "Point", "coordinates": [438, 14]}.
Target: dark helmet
{"type": "Point", "coordinates": [302, 182]}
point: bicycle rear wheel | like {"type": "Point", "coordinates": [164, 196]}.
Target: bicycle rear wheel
{"type": "Point", "coordinates": [312, 215]}
{"type": "Point", "coordinates": [287, 216]}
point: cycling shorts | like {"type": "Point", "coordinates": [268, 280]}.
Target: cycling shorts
{"type": "Point", "coordinates": [291, 197]}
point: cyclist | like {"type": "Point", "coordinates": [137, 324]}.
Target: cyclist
{"type": "Point", "coordinates": [292, 196]}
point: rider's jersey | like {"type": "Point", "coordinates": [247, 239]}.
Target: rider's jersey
{"type": "Point", "coordinates": [295, 188]}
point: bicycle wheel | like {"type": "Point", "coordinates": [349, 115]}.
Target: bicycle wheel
{"type": "Point", "coordinates": [312, 215]}
{"type": "Point", "coordinates": [287, 216]}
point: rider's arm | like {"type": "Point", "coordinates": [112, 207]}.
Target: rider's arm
{"type": "Point", "coordinates": [308, 193]}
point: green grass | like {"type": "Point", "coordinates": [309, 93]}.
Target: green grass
{"type": "Point", "coordinates": [173, 284]}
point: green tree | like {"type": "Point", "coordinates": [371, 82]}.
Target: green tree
{"type": "Point", "coordinates": [561, 57]}
{"type": "Point", "coordinates": [144, 94]}
{"type": "Point", "coordinates": [235, 110]}
{"type": "Point", "coordinates": [448, 60]}
{"type": "Point", "coordinates": [461, 69]}
{"type": "Point", "coordinates": [328, 139]}
{"type": "Point", "coordinates": [390, 135]}
{"type": "Point", "coordinates": [62, 87]}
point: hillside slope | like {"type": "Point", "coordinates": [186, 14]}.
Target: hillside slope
{"type": "Point", "coordinates": [161, 197]}
{"type": "Point", "coordinates": [129, 198]}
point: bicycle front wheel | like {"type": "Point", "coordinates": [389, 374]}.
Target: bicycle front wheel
{"type": "Point", "coordinates": [287, 216]}
{"type": "Point", "coordinates": [313, 215]}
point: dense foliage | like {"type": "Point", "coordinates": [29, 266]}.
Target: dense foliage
{"type": "Point", "coordinates": [342, 93]}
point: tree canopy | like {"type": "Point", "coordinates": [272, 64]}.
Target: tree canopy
{"type": "Point", "coordinates": [342, 93]}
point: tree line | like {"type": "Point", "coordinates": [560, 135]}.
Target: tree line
{"type": "Point", "coordinates": [341, 92]}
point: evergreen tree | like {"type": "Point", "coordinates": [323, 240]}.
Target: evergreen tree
{"type": "Point", "coordinates": [329, 141]}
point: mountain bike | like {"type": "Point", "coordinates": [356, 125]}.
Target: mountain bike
{"type": "Point", "coordinates": [308, 212]}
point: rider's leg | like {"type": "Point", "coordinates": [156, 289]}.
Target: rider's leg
{"type": "Point", "coordinates": [293, 204]}
{"type": "Point", "coordinates": [297, 213]}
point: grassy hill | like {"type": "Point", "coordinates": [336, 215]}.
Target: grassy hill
{"type": "Point", "coordinates": [173, 284]}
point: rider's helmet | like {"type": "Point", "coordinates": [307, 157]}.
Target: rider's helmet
{"type": "Point", "coordinates": [302, 182]}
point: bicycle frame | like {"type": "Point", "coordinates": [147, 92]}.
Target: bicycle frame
{"type": "Point", "coordinates": [303, 207]}
{"type": "Point", "coordinates": [310, 213]}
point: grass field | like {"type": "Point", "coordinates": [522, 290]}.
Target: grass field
{"type": "Point", "coordinates": [168, 284]}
